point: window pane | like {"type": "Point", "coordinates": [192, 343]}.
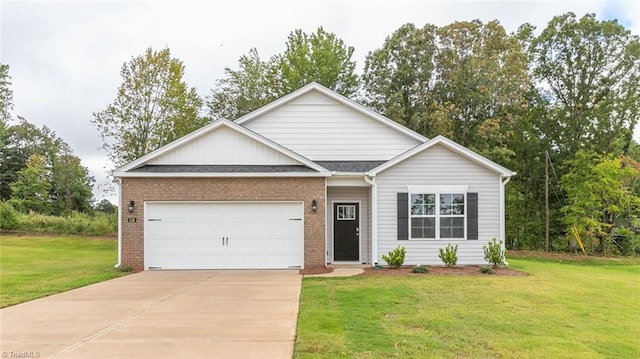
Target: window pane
{"type": "Point", "coordinates": [457, 198]}
{"type": "Point", "coordinates": [430, 209]}
{"type": "Point", "coordinates": [430, 198]}
{"type": "Point", "coordinates": [445, 222]}
{"type": "Point", "coordinates": [417, 210]}
{"type": "Point", "coordinates": [423, 228]}
{"type": "Point", "coordinates": [445, 198]}
{"type": "Point", "coordinates": [458, 232]}
{"type": "Point", "coordinates": [457, 222]}
{"type": "Point", "coordinates": [416, 199]}
{"type": "Point", "coordinates": [445, 232]}
{"type": "Point", "coordinates": [457, 209]}
{"type": "Point", "coordinates": [445, 209]}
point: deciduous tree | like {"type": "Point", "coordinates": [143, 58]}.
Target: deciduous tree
{"type": "Point", "coordinates": [153, 107]}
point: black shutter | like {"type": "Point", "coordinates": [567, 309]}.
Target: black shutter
{"type": "Point", "coordinates": [472, 215]}
{"type": "Point", "coordinates": [403, 216]}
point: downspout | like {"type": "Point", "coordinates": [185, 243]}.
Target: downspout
{"type": "Point", "coordinates": [374, 220]}
{"type": "Point", "coordinates": [503, 182]}
{"type": "Point", "coordinates": [119, 193]}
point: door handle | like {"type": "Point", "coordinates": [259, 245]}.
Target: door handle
{"type": "Point", "coordinates": [227, 241]}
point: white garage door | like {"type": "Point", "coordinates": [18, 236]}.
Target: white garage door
{"type": "Point", "coordinates": [223, 235]}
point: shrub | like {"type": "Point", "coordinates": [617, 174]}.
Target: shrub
{"type": "Point", "coordinates": [487, 270]}
{"type": "Point", "coordinates": [494, 253]}
{"type": "Point", "coordinates": [420, 269]}
{"type": "Point", "coordinates": [449, 255]}
{"type": "Point", "coordinates": [8, 216]}
{"type": "Point", "coordinates": [75, 223]}
{"type": "Point", "coordinates": [395, 257]}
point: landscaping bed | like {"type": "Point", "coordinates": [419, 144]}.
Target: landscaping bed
{"type": "Point", "coordinates": [442, 270]}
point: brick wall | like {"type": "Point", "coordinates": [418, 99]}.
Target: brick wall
{"type": "Point", "coordinates": [223, 189]}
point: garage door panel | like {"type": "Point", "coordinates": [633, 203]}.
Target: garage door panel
{"type": "Point", "coordinates": [256, 235]}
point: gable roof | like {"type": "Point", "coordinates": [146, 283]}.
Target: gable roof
{"type": "Point", "coordinates": [314, 86]}
{"type": "Point", "coordinates": [452, 146]}
{"type": "Point", "coordinates": [129, 169]}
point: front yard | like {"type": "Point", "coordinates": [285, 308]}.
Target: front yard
{"type": "Point", "coordinates": [32, 267]}
{"type": "Point", "coordinates": [565, 308]}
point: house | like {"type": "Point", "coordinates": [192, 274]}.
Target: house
{"type": "Point", "coordinates": [309, 179]}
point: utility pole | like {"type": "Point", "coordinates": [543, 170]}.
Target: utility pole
{"type": "Point", "coordinates": [546, 201]}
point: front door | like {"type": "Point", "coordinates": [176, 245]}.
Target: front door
{"type": "Point", "coordinates": [346, 232]}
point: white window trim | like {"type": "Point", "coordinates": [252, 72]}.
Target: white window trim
{"type": "Point", "coordinates": [441, 190]}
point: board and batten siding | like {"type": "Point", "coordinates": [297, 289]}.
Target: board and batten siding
{"type": "Point", "coordinates": [438, 166]}
{"type": "Point", "coordinates": [224, 146]}
{"type": "Point", "coordinates": [346, 195]}
{"type": "Point", "coordinates": [322, 129]}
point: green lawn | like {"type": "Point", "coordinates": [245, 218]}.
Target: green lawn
{"type": "Point", "coordinates": [34, 267]}
{"type": "Point", "coordinates": [565, 308]}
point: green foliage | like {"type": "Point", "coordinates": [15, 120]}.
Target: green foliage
{"type": "Point", "coordinates": [494, 254]}
{"type": "Point", "coordinates": [602, 197]}
{"type": "Point", "coordinates": [420, 269]}
{"type": "Point", "coordinates": [395, 257]}
{"type": "Point", "coordinates": [487, 270]}
{"type": "Point", "coordinates": [589, 70]}
{"type": "Point", "coordinates": [31, 189]}
{"type": "Point", "coordinates": [6, 95]}
{"type": "Point", "coordinates": [449, 255]}
{"type": "Point", "coordinates": [153, 107]}
{"type": "Point", "coordinates": [75, 223]}
{"type": "Point", "coordinates": [321, 57]}
{"type": "Point", "coordinates": [105, 206]}
{"type": "Point", "coordinates": [8, 217]}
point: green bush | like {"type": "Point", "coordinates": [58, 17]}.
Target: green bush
{"type": "Point", "coordinates": [395, 257]}
{"type": "Point", "coordinates": [420, 269]}
{"type": "Point", "coordinates": [449, 255]}
{"type": "Point", "coordinates": [494, 253]}
{"type": "Point", "coordinates": [75, 223]}
{"type": "Point", "coordinates": [8, 217]}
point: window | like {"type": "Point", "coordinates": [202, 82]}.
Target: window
{"type": "Point", "coordinates": [437, 215]}
{"type": "Point", "coordinates": [346, 212]}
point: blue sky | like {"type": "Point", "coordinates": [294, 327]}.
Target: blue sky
{"type": "Point", "coordinates": [65, 56]}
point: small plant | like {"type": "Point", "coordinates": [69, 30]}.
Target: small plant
{"type": "Point", "coordinates": [395, 257]}
{"type": "Point", "coordinates": [8, 217]}
{"type": "Point", "coordinates": [124, 269]}
{"type": "Point", "coordinates": [494, 253]}
{"type": "Point", "coordinates": [487, 270]}
{"type": "Point", "coordinates": [420, 269]}
{"type": "Point", "coordinates": [449, 255]}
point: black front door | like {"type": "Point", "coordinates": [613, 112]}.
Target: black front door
{"type": "Point", "coordinates": [346, 232]}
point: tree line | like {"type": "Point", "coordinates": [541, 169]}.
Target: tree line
{"type": "Point", "coordinates": [566, 95]}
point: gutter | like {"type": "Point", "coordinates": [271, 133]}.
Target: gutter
{"type": "Point", "coordinates": [371, 179]}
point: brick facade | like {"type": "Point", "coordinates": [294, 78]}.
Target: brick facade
{"type": "Point", "coordinates": [223, 189]}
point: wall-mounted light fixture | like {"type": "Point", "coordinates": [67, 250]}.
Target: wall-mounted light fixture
{"type": "Point", "coordinates": [314, 205]}
{"type": "Point", "coordinates": [132, 205]}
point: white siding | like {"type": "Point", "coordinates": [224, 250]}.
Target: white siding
{"type": "Point", "coordinates": [321, 129]}
{"type": "Point", "coordinates": [224, 146]}
{"type": "Point", "coordinates": [351, 194]}
{"type": "Point", "coordinates": [438, 166]}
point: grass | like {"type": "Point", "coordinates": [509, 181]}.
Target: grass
{"type": "Point", "coordinates": [32, 267]}
{"type": "Point", "coordinates": [568, 307]}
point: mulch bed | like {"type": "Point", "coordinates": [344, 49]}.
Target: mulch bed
{"type": "Point", "coordinates": [316, 270]}
{"type": "Point", "coordinates": [441, 270]}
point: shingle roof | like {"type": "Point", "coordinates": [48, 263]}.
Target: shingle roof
{"type": "Point", "coordinates": [350, 166]}
{"type": "Point", "coordinates": [221, 168]}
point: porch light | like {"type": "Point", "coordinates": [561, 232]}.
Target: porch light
{"type": "Point", "coordinates": [314, 205]}
{"type": "Point", "coordinates": [131, 206]}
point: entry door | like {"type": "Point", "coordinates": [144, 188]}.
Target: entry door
{"type": "Point", "coordinates": [346, 232]}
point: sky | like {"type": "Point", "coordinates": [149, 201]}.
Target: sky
{"type": "Point", "coordinates": [65, 56]}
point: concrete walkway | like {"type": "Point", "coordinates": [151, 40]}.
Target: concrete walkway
{"type": "Point", "coordinates": [161, 314]}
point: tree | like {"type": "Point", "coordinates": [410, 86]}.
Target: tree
{"type": "Point", "coordinates": [590, 72]}
{"type": "Point", "coordinates": [31, 189]}
{"type": "Point", "coordinates": [6, 96]}
{"type": "Point", "coordinates": [398, 78]}
{"type": "Point", "coordinates": [244, 90]}
{"type": "Point", "coordinates": [320, 57]}
{"type": "Point", "coordinates": [152, 108]}
{"type": "Point", "coordinates": [105, 206]}
{"type": "Point", "coordinates": [71, 185]}
{"type": "Point", "coordinates": [601, 197]}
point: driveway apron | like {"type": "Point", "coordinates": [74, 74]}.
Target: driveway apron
{"type": "Point", "coordinates": [161, 314]}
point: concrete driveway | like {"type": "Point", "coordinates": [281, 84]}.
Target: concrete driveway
{"type": "Point", "coordinates": [161, 314]}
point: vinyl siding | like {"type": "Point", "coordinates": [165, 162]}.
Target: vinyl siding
{"type": "Point", "coordinates": [321, 129]}
{"type": "Point", "coordinates": [351, 194]}
{"type": "Point", "coordinates": [224, 146]}
{"type": "Point", "coordinates": [438, 166]}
